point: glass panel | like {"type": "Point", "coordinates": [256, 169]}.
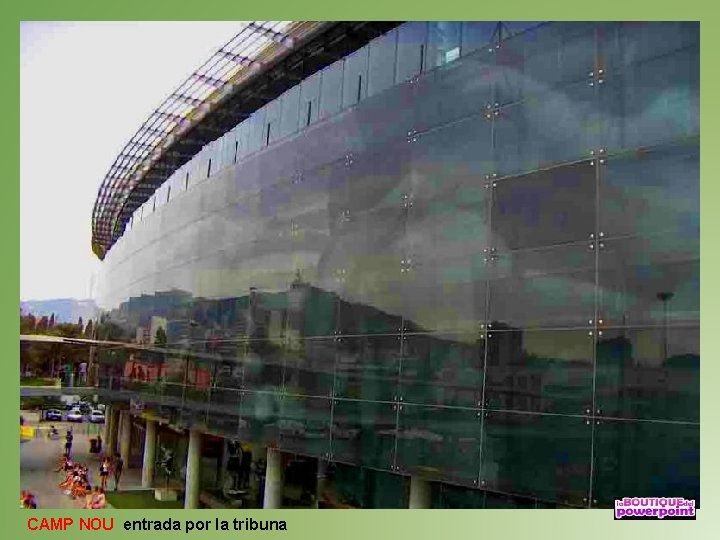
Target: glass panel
{"type": "Point", "coordinates": [309, 101]}
{"type": "Point", "coordinates": [360, 487]}
{"type": "Point", "coordinates": [224, 410]}
{"type": "Point", "coordinates": [256, 131]}
{"type": "Point", "coordinates": [543, 288]}
{"type": "Point", "coordinates": [443, 43]}
{"type": "Point", "coordinates": [502, 501]}
{"type": "Point", "coordinates": [259, 421]}
{"type": "Point", "coordinates": [410, 50]}
{"type": "Point", "coordinates": [449, 496]}
{"type": "Point", "coordinates": [443, 283]}
{"type": "Point", "coordinates": [544, 208]}
{"type": "Point", "coordinates": [646, 459]}
{"type": "Point", "coordinates": [632, 42]}
{"type": "Point", "coordinates": [476, 35]}
{"type": "Point", "coordinates": [394, 115]}
{"type": "Point", "coordinates": [443, 443]}
{"type": "Point", "coordinates": [311, 311]}
{"type": "Point", "coordinates": [263, 361]}
{"type": "Point", "coordinates": [242, 134]}
{"type": "Point", "coordinates": [442, 369]}
{"type": "Point", "coordinates": [331, 90]}
{"type": "Point", "coordinates": [653, 280]}
{"type": "Point", "coordinates": [304, 425]}
{"type": "Point", "coordinates": [192, 415]}
{"type": "Point", "coordinates": [290, 111]}
{"type": "Point", "coordinates": [310, 367]}
{"type": "Point", "coordinates": [542, 456]}
{"type": "Point", "coordinates": [450, 296]}
{"type": "Point", "coordinates": [272, 122]}
{"type": "Point", "coordinates": [363, 433]}
{"type": "Point", "coordinates": [355, 78]}
{"type": "Point", "coordinates": [540, 371]}
{"type": "Point", "coordinates": [367, 367]}
{"type": "Point", "coordinates": [649, 373]}
{"type": "Point", "coordinates": [546, 130]}
{"type": "Point", "coordinates": [557, 53]}
{"type": "Point", "coordinates": [381, 72]}
{"type": "Point", "coordinates": [464, 88]}
{"type": "Point", "coordinates": [652, 191]}
{"type": "Point", "coordinates": [323, 144]}
{"type": "Point", "coordinates": [657, 100]}
{"type": "Point", "coordinates": [370, 241]}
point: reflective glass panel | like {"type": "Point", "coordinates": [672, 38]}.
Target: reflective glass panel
{"type": "Point", "coordinates": [653, 280]}
{"type": "Point", "coordinates": [363, 433]}
{"type": "Point", "coordinates": [656, 107]}
{"type": "Point", "coordinates": [442, 369]}
{"type": "Point", "coordinates": [652, 191]}
{"type": "Point", "coordinates": [309, 368]}
{"type": "Point", "coordinates": [304, 425]}
{"type": "Point", "coordinates": [439, 441]}
{"type": "Point", "coordinates": [647, 459]}
{"type": "Point", "coordinates": [367, 367]}
{"type": "Point", "coordinates": [545, 456]}
{"type": "Point", "coordinates": [543, 288]}
{"type": "Point", "coordinates": [543, 208]}
{"type": "Point", "coordinates": [540, 371]}
{"type": "Point", "coordinates": [547, 129]}
{"type": "Point", "coordinates": [649, 373]}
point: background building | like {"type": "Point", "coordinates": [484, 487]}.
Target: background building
{"type": "Point", "coordinates": [456, 267]}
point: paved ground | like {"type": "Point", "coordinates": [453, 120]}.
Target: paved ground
{"type": "Point", "coordinates": [38, 460]}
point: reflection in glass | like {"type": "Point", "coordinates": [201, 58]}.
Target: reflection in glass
{"type": "Point", "coordinates": [546, 456]}
{"type": "Point", "coordinates": [539, 371]}
{"type": "Point", "coordinates": [649, 373]}
{"type": "Point", "coordinates": [648, 459]}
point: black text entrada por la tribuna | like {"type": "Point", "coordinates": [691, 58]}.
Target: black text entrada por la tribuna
{"type": "Point", "coordinates": [169, 524]}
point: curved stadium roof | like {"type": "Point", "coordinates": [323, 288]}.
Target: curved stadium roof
{"type": "Point", "coordinates": [258, 64]}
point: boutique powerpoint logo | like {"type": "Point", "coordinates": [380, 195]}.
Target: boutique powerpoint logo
{"type": "Point", "coordinates": [654, 508]}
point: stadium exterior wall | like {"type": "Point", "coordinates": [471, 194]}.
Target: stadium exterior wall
{"type": "Point", "coordinates": [481, 269]}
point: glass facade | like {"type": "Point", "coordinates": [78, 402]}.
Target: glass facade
{"type": "Point", "coordinates": [477, 263]}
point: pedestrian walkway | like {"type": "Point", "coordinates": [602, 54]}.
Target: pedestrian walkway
{"type": "Point", "coordinates": [39, 458]}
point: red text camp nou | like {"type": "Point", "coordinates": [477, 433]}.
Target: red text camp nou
{"type": "Point", "coordinates": [64, 523]}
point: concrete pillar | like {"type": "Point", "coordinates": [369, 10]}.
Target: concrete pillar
{"type": "Point", "coordinates": [125, 427]}
{"type": "Point", "coordinates": [321, 479]}
{"type": "Point", "coordinates": [111, 436]}
{"type": "Point", "coordinates": [273, 479]}
{"type": "Point", "coordinates": [106, 428]}
{"type": "Point", "coordinates": [148, 470]}
{"type": "Point", "coordinates": [192, 474]}
{"type": "Point", "coordinates": [419, 493]}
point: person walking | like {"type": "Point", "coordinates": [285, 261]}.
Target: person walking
{"type": "Point", "coordinates": [118, 469]}
{"type": "Point", "coordinates": [68, 443]}
{"type": "Point", "coordinates": [105, 472]}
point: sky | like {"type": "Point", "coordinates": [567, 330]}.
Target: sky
{"type": "Point", "coordinates": [85, 89]}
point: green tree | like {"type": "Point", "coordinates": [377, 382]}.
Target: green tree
{"type": "Point", "coordinates": [110, 331]}
{"type": "Point", "coordinates": [42, 325]}
{"type": "Point", "coordinates": [27, 324]}
{"type": "Point", "coordinates": [160, 338]}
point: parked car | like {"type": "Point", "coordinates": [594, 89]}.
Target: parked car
{"type": "Point", "coordinates": [75, 415]}
{"type": "Point", "coordinates": [85, 408]}
{"type": "Point", "coordinates": [54, 415]}
{"type": "Point", "coordinates": [97, 417]}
